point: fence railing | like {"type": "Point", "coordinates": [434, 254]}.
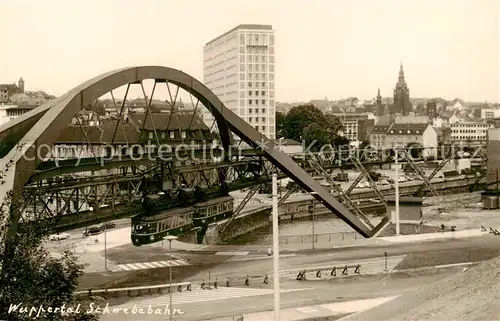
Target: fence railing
{"type": "Point", "coordinates": [320, 238]}
{"type": "Point", "coordinates": [134, 291]}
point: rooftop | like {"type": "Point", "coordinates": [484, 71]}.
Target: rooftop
{"type": "Point", "coordinates": [242, 26]}
{"type": "Point", "coordinates": [407, 129]}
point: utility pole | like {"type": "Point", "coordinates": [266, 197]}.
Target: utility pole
{"type": "Point", "coordinates": [397, 193]}
{"type": "Point", "coordinates": [276, 252]}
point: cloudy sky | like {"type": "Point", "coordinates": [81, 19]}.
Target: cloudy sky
{"type": "Point", "coordinates": [325, 48]}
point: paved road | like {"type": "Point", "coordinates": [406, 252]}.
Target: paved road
{"type": "Point", "coordinates": [295, 295]}
{"type": "Point", "coordinates": [197, 267]}
{"type": "Point", "coordinates": [241, 299]}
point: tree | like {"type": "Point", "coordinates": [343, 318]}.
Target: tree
{"type": "Point", "coordinates": [32, 278]}
{"type": "Point", "coordinates": [280, 124]}
{"type": "Point", "coordinates": [298, 118]}
{"type": "Point", "coordinates": [308, 123]}
{"type": "Point", "coordinates": [317, 134]}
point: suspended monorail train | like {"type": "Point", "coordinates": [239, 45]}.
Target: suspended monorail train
{"type": "Point", "coordinates": [154, 225]}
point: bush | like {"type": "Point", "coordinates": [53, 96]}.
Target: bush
{"type": "Point", "coordinates": [30, 277]}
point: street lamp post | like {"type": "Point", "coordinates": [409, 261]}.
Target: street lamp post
{"type": "Point", "coordinates": [313, 212]}
{"type": "Point", "coordinates": [170, 238]}
{"type": "Point", "coordinates": [276, 252]}
{"type": "Point", "coordinates": [397, 191]}
{"type": "Point", "coordinates": [105, 248]}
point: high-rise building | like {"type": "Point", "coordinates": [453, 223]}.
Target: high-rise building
{"type": "Point", "coordinates": [401, 104]}
{"type": "Point", "coordinates": [238, 66]}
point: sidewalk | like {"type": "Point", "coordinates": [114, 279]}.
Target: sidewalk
{"type": "Point", "coordinates": [331, 311]}
{"type": "Point", "coordinates": [233, 250]}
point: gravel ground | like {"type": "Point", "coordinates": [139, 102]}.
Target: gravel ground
{"type": "Point", "coordinates": [471, 295]}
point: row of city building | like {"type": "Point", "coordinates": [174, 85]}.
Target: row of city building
{"type": "Point", "coordinates": [15, 101]}
{"type": "Point", "coordinates": [239, 67]}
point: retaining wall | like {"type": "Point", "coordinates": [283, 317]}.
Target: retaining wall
{"type": "Point", "coordinates": [249, 221]}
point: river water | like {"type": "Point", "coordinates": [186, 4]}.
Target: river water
{"type": "Point", "coordinates": [462, 210]}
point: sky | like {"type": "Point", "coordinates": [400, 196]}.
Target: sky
{"type": "Point", "coordinates": [324, 48]}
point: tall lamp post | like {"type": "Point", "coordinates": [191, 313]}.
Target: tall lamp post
{"type": "Point", "coordinates": [276, 252]}
{"type": "Point", "coordinates": [397, 191]}
{"type": "Point", "coordinates": [105, 247]}
{"type": "Point", "coordinates": [313, 212]}
{"type": "Point", "coordinates": [170, 238]}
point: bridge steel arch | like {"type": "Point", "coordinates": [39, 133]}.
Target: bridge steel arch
{"type": "Point", "coordinates": [22, 160]}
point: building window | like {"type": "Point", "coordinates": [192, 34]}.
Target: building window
{"type": "Point", "coordinates": [242, 67]}
{"type": "Point", "coordinates": [271, 94]}
{"type": "Point", "coordinates": [256, 127]}
{"type": "Point", "coordinates": [242, 39]}
{"type": "Point", "coordinates": [242, 49]}
{"type": "Point", "coordinates": [242, 85]}
{"type": "Point", "coordinates": [249, 84]}
{"type": "Point", "coordinates": [263, 128]}
{"type": "Point", "coordinates": [242, 77]}
{"type": "Point", "coordinates": [271, 40]}
{"type": "Point", "coordinates": [263, 110]}
{"type": "Point", "coordinates": [271, 77]}
{"type": "Point", "coordinates": [172, 134]}
{"type": "Point", "coordinates": [242, 102]}
{"type": "Point", "coordinates": [263, 119]}
{"type": "Point", "coordinates": [256, 93]}
{"type": "Point", "coordinates": [162, 134]}
{"type": "Point", "coordinates": [249, 93]}
{"type": "Point", "coordinates": [271, 59]}
{"type": "Point", "coordinates": [183, 134]}
{"type": "Point", "coordinates": [249, 101]}
{"type": "Point", "coordinates": [263, 93]}
{"type": "Point", "coordinates": [271, 68]}
{"type": "Point", "coordinates": [263, 85]}
{"type": "Point", "coordinates": [271, 85]}
{"type": "Point", "coordinates": [250, 119]}
{"type": "Point", "coordinates": [150, 135]}
{"type": "Point", "coordinates": [242, 94]}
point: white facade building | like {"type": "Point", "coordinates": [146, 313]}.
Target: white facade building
{"type": "Point", "coordinates": [238, 67]}
{"type": "Point", "coordinates": [469, 131]}
{"type": "Point", "coordinates": [10, 112]}
{"type": "Point", "coordinates": [490, 113]}
{"type": "Point", "coordinates": [421, 134]}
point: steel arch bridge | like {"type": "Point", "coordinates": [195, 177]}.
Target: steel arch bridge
{"type": "Point", "coordinates": [41, 126]}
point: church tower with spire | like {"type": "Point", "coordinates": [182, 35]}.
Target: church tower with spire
{"type": "Point", "coordinates": [401, 102]}
{"type": "Point", "coordinates": [380, 106]}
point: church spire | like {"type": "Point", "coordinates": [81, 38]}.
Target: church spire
{"type": "Point", "coordinates": [401, 74]}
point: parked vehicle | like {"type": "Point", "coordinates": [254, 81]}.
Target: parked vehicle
{"type": "Point", "coordinates": [107, 225]}
{"type": "Point", "coordinates": [59, 237]}
{"type": "Point", "coordinates": [93, 230]}
{"type": "Point", "coordinates": [384, 182]}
